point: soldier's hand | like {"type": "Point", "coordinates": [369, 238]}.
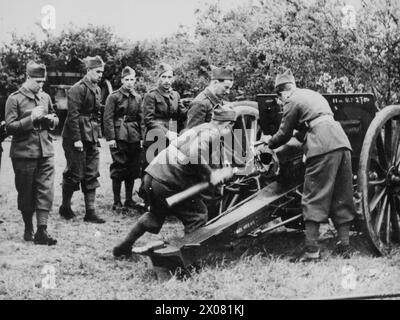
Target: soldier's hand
{"type": "Point", "coordinates": [112, 144]}
{"type": "Point", "coordinates": [136, 185]}
{"type": "Point", "coordinates": [37, 113]}
{"type": "Point", "coordinates": [78, 145]}
{"type": "Point", "coordinates": [266, 138]}
{"type": "Point", "coordinates": [220, 175]}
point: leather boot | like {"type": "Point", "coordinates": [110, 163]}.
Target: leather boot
{"type": "Point", "coordinates": [116, 186]}
{"type": "Point", "coordinates": [129, 203]}
{"type": "Point", "coordinates": [43, 238]}
{"type": "Point", "coordinates": [125, 247]}
{"type": "Point", "coordinates": [91, 215]}
{"type": "Point", "coordinates": [28, 232]}
{"type": "Point", "coordinates": [65, 209]}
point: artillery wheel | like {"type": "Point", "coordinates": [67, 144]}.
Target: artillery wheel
{"type": "Point", "coordinates": [379, 180]}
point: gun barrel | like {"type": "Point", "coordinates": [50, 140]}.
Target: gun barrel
{"type": "Point", "coordinates": [190, 192]}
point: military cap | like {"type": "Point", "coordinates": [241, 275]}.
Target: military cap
{"type": "Point", "coordinates": [224, 113]}
{"type": "Point", "coordinates": [164, 67]}
{"type": "Point", "coordinates": [94, 62]}
{"type": "Point", "coordinates": [285, 76]}
{"type": "Point", "coordinates": [36, 70]}
{"type": "Point", "coordinates": [128, 71]}
{"type": "Point", "coordinates": [221, 73]}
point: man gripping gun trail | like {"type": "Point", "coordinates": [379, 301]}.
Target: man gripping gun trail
{"type": "Point", "coordinates": [327, 190]}
{"type": "Point", "coordinates": [192, 158]}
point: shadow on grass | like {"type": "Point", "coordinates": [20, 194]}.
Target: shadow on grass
{"type": "Point", "coordinates": [282, 244]}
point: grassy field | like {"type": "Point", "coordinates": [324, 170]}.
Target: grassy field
{"type": "Point", "coordinates": [85, 269]}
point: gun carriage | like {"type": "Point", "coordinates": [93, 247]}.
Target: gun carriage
{"type": "Point", "coordinates": [268, 188]}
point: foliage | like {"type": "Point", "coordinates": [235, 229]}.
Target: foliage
{"type": "Point", "coordinates": [325, 50]}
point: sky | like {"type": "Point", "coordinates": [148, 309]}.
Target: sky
{"type": "Point", "coordinates": [131, 19]}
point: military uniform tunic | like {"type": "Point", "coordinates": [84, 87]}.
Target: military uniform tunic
{"type": "Point", "coordinates": [82, 124]}
{"type": "Point", "coordinates": [327, 188]}
{"type": "Point", "coordinates": [201, 108]}
{"type": "Point", "coordinates": [31, 151]}
{"type": "Point", "coordinates": [123, 122]}
{"type": "Point", "coordinates": [163, 111]}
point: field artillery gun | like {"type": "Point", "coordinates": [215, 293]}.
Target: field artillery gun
{"type": "Point", "coordinates": [269, 188]}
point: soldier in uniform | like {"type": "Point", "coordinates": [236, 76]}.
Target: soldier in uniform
{"type": "Point", "coordinates": [201, 108]}
{"type": "Point", "coordinates": [29, 116]}
{"type": "Point", "coordinates": [183, 164]}
{"type": "Point", "coordinates": [123, 123]}
{"type": "Point", "coordinates": [81, 140]}
{"type": "Point", "coordinates": [163, 113]}
{"type": "Point", "coordinates": [327, 191]}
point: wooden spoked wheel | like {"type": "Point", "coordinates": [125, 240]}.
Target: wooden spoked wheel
{"type": "Point", "coordinates": [379, 180]}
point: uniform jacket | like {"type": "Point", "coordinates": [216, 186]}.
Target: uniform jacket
{"type": "Point", "coordinates": [82, 122]}
{"type": "Point", "coordinates": [28, 141]}
{"type": "Point", "coordinates": [301, 107]}
{"type": "Point", "coordinates": [201, 108]}
{"type": "Point", "coordinates": [123, 116]}
{"type": "Point", "coordinates": [189, 159]}
{"type": "Point", "coordinates": [163, 111]}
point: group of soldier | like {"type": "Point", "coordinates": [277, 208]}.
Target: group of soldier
{"type": "Point", "coordinates": [184, 139]}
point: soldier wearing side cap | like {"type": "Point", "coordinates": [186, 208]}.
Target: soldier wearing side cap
{"type": "Point", "coordinates": [327, 190]}
{"type": "Point", "coordinates": [201, 108]}
{"type": "Point", "coordinates": [192, 158]}
{"type": "Point", "coordinates": [163, 112]}
{"type": "Point", "coordinates": [123, 129]}
{"type": "Point", "coordinates": [29, 117]}
{"type": "Point", "coordinates": [81, 140]}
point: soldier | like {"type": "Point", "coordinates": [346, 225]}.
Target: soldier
{"type": "Point", "coordinates": [81, 139]}
{"type": "Point", "coordinates": [327, 191]}
{"type": "Point", "coordinates": [201, 108]}
{"type": "Point", "coordinates": [29, 116]}
{"type": "Point", "coordinates": [123, 123]}
{"type": "Point", "coordinates": [163, 112]}
{"type": "Point", "coordinates": [184, 163]}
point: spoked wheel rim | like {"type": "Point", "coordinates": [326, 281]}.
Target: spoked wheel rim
{"type": "Point", "coordinates": [379, 180]}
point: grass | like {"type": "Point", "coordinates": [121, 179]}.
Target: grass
{"type": "Point", "coordinates": [85, 269]}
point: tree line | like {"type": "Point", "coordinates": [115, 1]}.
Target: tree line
{"type": "Point", "coordinates": [327, 49]}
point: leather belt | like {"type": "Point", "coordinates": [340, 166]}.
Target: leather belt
{"type": "Point", "coordinates": [326, 117]}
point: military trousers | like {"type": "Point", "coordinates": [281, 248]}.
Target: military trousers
{"type": "Point", "coordinates": [82, 167]}
{"type": "Point", "coordinates": [126, 161]}
{"type": "Point", "coordinates": [34, 181]}
{"type": "Point", "coordinates": [328, 189]}
{"type": "Point", "coordinates": [192, 212]}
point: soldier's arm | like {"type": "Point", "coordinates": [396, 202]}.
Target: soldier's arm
{"type": "Point", "coordinates": [14, 125]}
{"type": "Point", "coordinates": [52, 112]}
{"type": "Point", "coordinates": [149, 105]}
{"type": "Point", "coordinates": [287, 126]}
{"type": "Point", "coordinates": [108, 118]}
{"type": "Point", "coordinates": [196, 114]}
{"type": "Point", "coordinates": [200, 154]}
{"type": "Point", "coordinates": [142, 127]}
{"type": "Point", "coordinates": [74, 102]}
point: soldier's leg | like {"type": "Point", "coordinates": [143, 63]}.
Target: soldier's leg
{"type": "Point", "coordinates": [149, 222]}
{"type": "Point", "coordinates": [44, 195]}
{"type": "Point", "coordinates": [192, 213]}
{"type": "Point", "coordinates": [318, 186]}
{"type": "Point", "coordinates": [72, 177]}
{"type": "Point", "coordinates": [342, 206]}
{"type": "Point", "coordinates": [91, 183]}
{"type": "Point", "coordinates": [24, 170]}
{"type": "Point", "coordinates": [117, 173]}
{"type": "Point", "coordinates": [132, 172]}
